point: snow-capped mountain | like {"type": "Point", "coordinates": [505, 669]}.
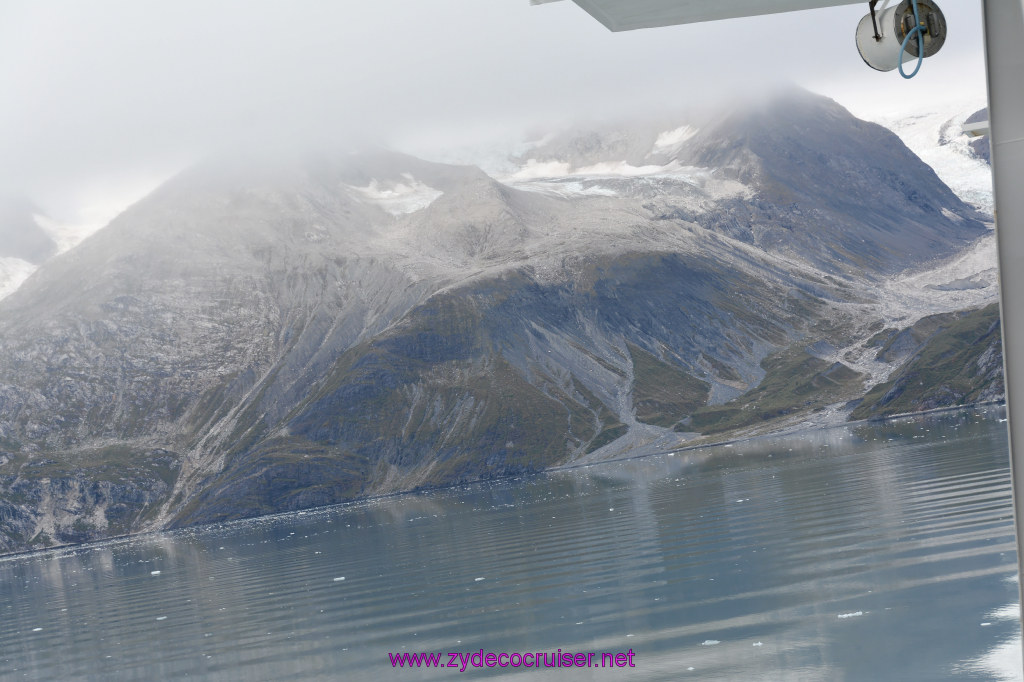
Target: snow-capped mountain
{"type": "Point", "coordinates": [259, 335]}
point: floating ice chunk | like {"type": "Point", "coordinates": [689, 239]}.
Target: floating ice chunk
{"type": "Point", "coordinates": [854, 614]}
{"type": "Point", "coordinates": [37, 629]}
{"type": "Point", "coordinates": [690, 668]}
{"type": "Point", "coordinates": [339, 579]}
{"type": "Point", "coordinates": [710, 642]}
{"type": "Point", "coordinates": [161, 617]}
{"type": "Point", "coordinates": [154, 572]}
{"type": "Point", "coordinates": [476, 580]}
{"type": "Point", "coordinates": [757, 644]}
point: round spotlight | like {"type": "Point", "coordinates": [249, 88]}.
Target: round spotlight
{"type": "Point", "coordinates": [880, 35]}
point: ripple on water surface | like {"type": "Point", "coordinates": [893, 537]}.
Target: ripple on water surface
{"type": "Point", "coordinates": [814, 557]}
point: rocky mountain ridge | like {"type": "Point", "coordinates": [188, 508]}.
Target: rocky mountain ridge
{"type": "Point", "coordinates": [257, 336]}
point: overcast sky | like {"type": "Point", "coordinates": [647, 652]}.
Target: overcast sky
{"type": "Point", "coordinates": [101, 99]}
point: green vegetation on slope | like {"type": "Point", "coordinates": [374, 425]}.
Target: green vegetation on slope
{"type": "Point", "coordinates": [794, 382]}
{"type": "Point", "coordinates": [960, 364]}
{"type": "Point", "coordinates": [662, 393]}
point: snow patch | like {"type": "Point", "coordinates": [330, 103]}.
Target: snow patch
{"type": "Point", "coordinates": [534, 170]}
{"type": "Point", "coordinates": [13, 272]}
{"type": "Point", "coordinates": [537, 170]}
{"type": "Point", "coordinates": [622, 169]}
{"type": "Point", "coordinates": [615, 178]}
{"type": "Point", "coordinates": [670, 140]}
{"type": "Point", "coordinates": [399, 198]}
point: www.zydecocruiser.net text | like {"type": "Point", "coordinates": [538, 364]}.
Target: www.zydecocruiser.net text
{"type": "Point", "coordinates": [464, 660]}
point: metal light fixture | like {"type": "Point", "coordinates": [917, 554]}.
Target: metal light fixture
{"type": "Point", "coordinates": [888, 37]}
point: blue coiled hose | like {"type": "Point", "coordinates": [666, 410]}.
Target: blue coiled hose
{"type": "Point", "coordinates": [920, 44]}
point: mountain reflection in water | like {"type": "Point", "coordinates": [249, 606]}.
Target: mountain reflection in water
{"type": "Point", "coordinates": [868, 552]}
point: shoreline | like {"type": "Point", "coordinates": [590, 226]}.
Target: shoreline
{"type": "Point", "coordinates": [782, 432]}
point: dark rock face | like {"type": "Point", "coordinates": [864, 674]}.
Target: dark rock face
{"type": "Point", "coordinates": [79, 505]}
{"type": "Point", "coordinates": [256, 337]}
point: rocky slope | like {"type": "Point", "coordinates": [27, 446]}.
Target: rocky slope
{"type": "Point", "coordinates": [269, 334]}
{"type": "Point", "coordinates": [955, 359]}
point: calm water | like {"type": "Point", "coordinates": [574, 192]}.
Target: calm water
{"type": "Point", "coordinates": [873, 552]}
